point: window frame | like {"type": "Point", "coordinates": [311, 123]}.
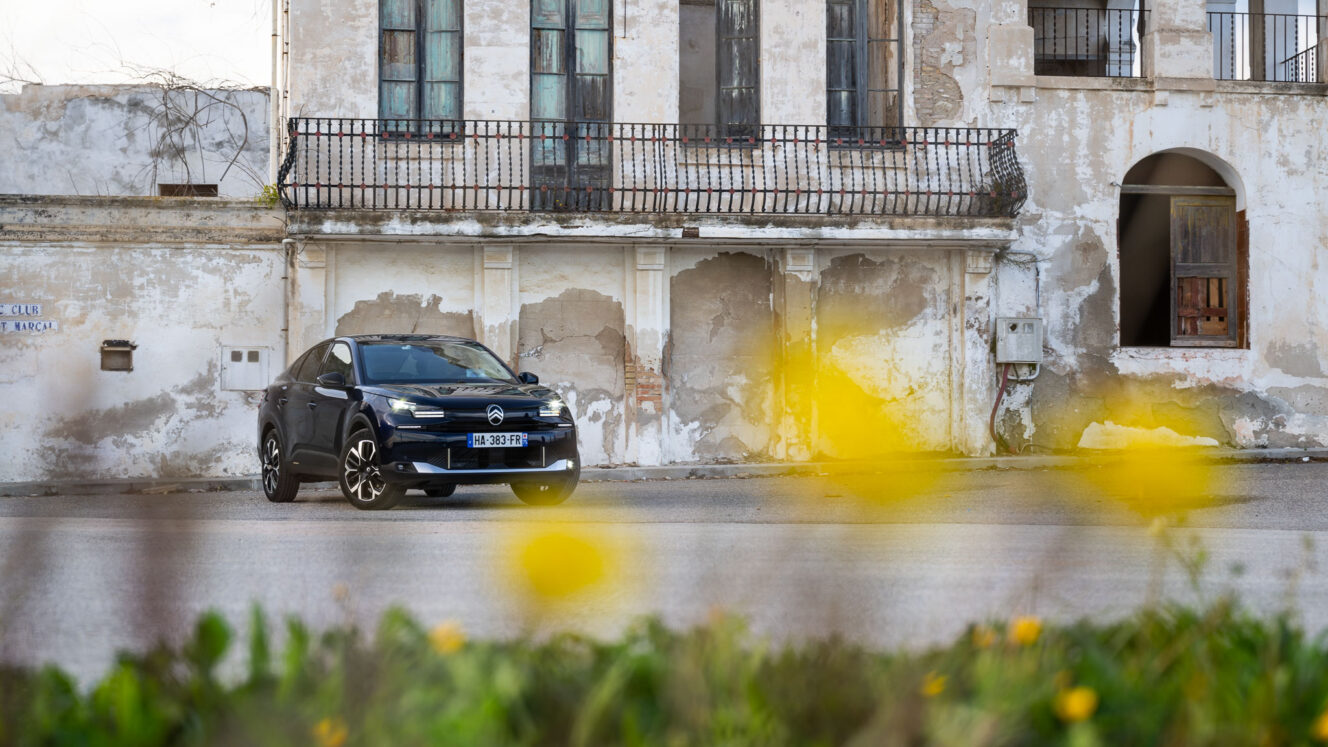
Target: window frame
{"type": "Point", "coordinates": [862, 46]}
{"type": "Point", "coordinates": [736, 130]}
{"type": "Point", "coordinates": [414, 125]}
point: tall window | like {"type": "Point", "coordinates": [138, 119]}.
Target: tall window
{"type": "Point", "coordinates": [419, 61]}
{"type": "Point", "coordinates": [863, 64]}
{"type": "Point", "coordinates": [571, 101]}
{"type": "Point", "coordinates": [719, 68]}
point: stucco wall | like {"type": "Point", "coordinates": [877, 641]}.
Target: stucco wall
{"type": "Point", "coordinates": [125, 140]}
{"type": "Point", "coordinates": [181, 297]}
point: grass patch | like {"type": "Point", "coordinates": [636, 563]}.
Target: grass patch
{"type": "Point", "coordinates": [1165, 676]}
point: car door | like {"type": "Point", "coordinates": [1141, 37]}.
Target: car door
{"type": "Point", "coordinates": [298, 410]}
{"type": "Point", "coordinates": [329, 407]}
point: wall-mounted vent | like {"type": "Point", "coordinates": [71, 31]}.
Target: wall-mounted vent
{"type": "Point", "coordinates": [187, 190]}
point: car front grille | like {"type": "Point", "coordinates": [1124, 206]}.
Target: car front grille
{"type": "Point", "coordinates": [531, 457]}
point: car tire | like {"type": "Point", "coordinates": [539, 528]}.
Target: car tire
{"type": "Point", "coordinates": [279, 484]}
{"type": "Point", "coordinates": [548, 492]}
{"type": "Point", "coordinates": [441, 491]}
{"type": "Point", "coordinates": [360, 474]}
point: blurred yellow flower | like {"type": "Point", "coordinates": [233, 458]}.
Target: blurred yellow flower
{"type": "Point", "coordinates": [447, 638]}
{"type": "Point", "coordinates": [556, 563]}
{"type": "Point", "coordinates": [983, 637]}
{"type": "Point", "coordinates": [933, 684]}
{"type": "Point", "coordinates": [1320, 728]}
{"type": "Point", "coordinates": [1076, 704]}
{"type": "Point", "coordinates": [330, 732]}
{"type": "Point", "coordinates": [1025, 630]}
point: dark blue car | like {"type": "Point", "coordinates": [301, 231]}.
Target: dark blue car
{"type": "Point", "coordinates": [381, 414]}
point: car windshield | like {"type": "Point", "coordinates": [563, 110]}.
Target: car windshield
{"type": "Point", "coordinates": [430, 363]}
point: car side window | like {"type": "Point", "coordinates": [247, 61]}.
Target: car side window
{"type": "Point", "coordinates": [309, 369]}
{"type": "Point", "coordinates": [339, 362]}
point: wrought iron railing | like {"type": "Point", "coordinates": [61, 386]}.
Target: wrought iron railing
{"type": "Point", "coordinates": [504, 165]}
{"type": "Point", "coordinates": [1087, 42]}
{"type": "Point", "coordinates": [1266, 46]}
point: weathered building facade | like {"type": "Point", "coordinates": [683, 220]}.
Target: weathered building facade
{"type": "Point", "coordinates": [697, 218]}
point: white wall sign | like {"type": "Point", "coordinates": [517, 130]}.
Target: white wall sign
{"type": "Point", "coordinates": [29, 325]}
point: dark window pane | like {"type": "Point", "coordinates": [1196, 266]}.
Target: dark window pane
{"type": "Point", "coordinates": [840, 108]}
{"type": "Point", "coordinates": [841, 70]}
{"type": "Point", "coordinates": [398, 55]}
{"type": "Point", "coordinates": [737, 62]}
{"type": "Point", "coordinates": [737, 18]}
{"type": "Point", "coordinates": [839, 20]}
{"type": "Point", "coordinates": [548, 52]}
{"type": "Point", "coordinates": [737, 106]}
{"type": "Point", "coordinates": [592, 98]}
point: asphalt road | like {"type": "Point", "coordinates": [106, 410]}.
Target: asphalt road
{"type": "Point", "coordinates": [82, 576]}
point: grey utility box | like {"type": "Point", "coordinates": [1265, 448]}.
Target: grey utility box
{"type": "Point", "coordinates": [1018, 339]}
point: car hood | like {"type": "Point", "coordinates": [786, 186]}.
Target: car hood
{"type": "Point", "coordinates": [463, 396]}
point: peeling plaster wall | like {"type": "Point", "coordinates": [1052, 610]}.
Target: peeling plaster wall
{"type": "Point", "coordinates": [719, 356]}
{"type": "Point", "coordinates": [65, 419]}
{"type": "Point", "coordinates": [572, 334]}
{"type": "Point", "coordinates": [882, 319]}
{"type": "Point", "coordinates": [109, 140]}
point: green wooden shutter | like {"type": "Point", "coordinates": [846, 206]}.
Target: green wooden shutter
{"type": "Point", "coordinates": [398, 91]}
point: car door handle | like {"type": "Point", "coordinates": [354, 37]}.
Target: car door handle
{"type": "Point", "coordinates": [312, 405]}
{"type": "Point", "coordinates": [283, 400]}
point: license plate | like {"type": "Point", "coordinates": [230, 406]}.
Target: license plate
{"type": "Point", "coordinates": [495, 440]}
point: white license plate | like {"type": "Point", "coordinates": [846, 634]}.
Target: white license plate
{"type": "Point", "coordinates": [495, 440]}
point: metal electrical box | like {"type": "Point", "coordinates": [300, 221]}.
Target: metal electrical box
{"type": "Point", "coordinates": [1018, 339]}
{"type": "Point", "coordinates": [244, 369]}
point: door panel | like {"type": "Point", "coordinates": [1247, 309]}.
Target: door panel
{"type": "Point", "coordinates": [329, 408]}
{"type": "Point", "coordinates": [1203, 271]}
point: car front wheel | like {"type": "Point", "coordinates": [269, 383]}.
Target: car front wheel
{"type": "Point", "coordinates": [279, 485]}
{"type": "Point", "coordinates": [361, 475]}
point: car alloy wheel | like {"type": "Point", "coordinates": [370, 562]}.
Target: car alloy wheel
{"type": "Point", "coordinates": [278, 485]}
{"type": "Point", "coordinates": [362, 476]}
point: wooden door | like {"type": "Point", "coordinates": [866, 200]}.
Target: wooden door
{"type": "Point", "coordinates": [1203, 271]}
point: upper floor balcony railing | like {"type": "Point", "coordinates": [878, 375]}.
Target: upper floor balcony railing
{"type": "Point", "coordinates": [504, 165]}
{"type": "Point", "coordinates": [1086, 42]}
{"type": "Point", "coordinates": [1267, 46]}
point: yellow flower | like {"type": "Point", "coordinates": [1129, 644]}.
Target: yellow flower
{"type": "Point", "coordinates": [933, 684]}
{"type": "Point", "coordinates": [1320, 728]}
{"type": "Point", "coordinates": [447, 638]}
{"type": "Point", "coordinates": [1025, 630]}
{"type": "Point", "coordinates": [330, 732]}
{"type": "Point", "coordinates": [558, 563]}
{"type": "Point", "coordinates": [1076, 704]}
{"type": "Point", "coordinates": [983, 637]}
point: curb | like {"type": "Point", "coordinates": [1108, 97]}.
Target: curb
{"type": "Point", "coordinates": [156, 486]}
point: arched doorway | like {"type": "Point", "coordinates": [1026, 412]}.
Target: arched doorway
{"type": "Point", "coordinates": [1182, 249]}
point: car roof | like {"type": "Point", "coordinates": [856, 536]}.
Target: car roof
{"type": "Point", "coordinates": [405, 338]}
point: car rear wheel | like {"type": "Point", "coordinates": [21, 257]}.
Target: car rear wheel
{"type": "Point", "coordinates": [548, 492]}
{"type": "Point", "coordinates": [279, 484]}
{"type": "Point", "coordinates": [441, 491]}
{"type": "Point", "coordinates": [361, 475]}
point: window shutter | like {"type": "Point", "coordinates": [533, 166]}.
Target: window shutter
{"type": "Point", "coordinates": [397, 86]}
{"type": "Point", "coordinates": [738, 58]}
{"type": "Point", "coordinates": [1204, 271]}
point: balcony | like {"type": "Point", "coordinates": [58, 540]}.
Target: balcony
{"type": "Point", "coordinates": [1267, 47]}
{"type": "Point", "coordinates": [1086, 42]}
{"type": "Point", "coordinates": [765, 170]}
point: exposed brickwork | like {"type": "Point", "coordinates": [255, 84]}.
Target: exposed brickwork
{"type": "Point", "coordinates": [937, 97]}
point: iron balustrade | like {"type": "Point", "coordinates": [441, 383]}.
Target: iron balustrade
{"type": "Point", "coordinates": [1267, 46]}
{"type": "Point", "coordinates": [508, 165]}
{"type": "Point", "coordinates": [1086, 42]}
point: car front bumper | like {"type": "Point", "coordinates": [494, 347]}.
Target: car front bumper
{"type": "Point", "coordinates": [421, 458]}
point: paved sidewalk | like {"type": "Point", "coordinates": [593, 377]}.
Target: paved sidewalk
{"type": "Point", "coordinates": [667, 472]}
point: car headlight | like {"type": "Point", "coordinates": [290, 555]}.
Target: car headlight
{"type": "Point", "coordinates": [405, 406]}
{"type": "Point", "coordinates": [552, 409]}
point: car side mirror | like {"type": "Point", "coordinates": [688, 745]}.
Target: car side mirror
{"type": "Point", "coordinates": [526, 377]}
{"type": "Point", "coordinates": [332, 380]}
